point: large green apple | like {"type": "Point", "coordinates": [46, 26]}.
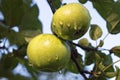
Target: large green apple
{"type": "Point", "coordinates": [71, 21]}
{"type": "Point", "coordinates": [48, 53]}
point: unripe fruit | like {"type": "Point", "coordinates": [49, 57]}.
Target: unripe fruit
{"type": "Point", "coordinates": [83, 42]}
{"type": "Point", "coordinates": [48, 53]}
{"type": "Point", "coordinates": [71, 21]}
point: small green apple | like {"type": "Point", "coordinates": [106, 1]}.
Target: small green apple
{"type": "Point", "coordinates": [83, 42]}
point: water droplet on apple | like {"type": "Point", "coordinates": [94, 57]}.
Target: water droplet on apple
{"type": "Point", "coordinates": [75, 26]}
{"type": "Point", "coordinates": [68, 25]}
{"type": "Point", "coordinates": [61, 23]}
{"type": "Point", "coordinates": [57, 58]}
{"type": "Point", "coordinates": [53, 24]}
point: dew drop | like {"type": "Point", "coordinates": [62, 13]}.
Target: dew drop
{"type": "Point", "coordinates": [68, 25]}
{"type": "Point", "coordinates": [57, 58]}
{"type": "Point", "coordinates": [53, 24]}
{"type": "Point", "coordinates": [61, 23]}
{"type": "Point", "coordinates": [60, 33]}
{"type": "Point", "coordinates": [75, 27]}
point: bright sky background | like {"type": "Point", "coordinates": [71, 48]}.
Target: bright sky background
{"type": "Point", "coordinates": [46, 17]}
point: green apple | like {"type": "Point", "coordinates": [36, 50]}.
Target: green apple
{"type": "Point", "coordinates": [71, 21]}
{"type": "Point", "coordinates": [83, 42]}
{"type": "Point", "coordinates": [48, 53]}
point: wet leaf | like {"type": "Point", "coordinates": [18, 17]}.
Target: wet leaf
{"type": "Point", "coordinates": [95, 32]}
{"type": "Point", "coordinates": [116, 50]}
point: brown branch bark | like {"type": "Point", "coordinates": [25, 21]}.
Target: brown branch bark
{"type": "Point", "coordinates": [73, 57]}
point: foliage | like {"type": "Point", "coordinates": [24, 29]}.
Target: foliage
{"type": "Point", "coordinates": [23, 14]}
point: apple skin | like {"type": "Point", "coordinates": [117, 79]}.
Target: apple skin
{"type": "Point", "coordinates": [48, 53]}
{"type": "Point", "coordinates": [71, 21]}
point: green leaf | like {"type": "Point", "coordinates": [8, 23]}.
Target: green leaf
{"type": "Point", "coordinates": [21, 51]}
{"type": "Point", "coordinates": [13, 10]}
{"type": "Point", "coordinates": [29, 34]}
{"type": "Point", "coordinates": [30, 20]}
{"type": "Point", "coordinates": [3, 31]}
{"type": "Point", "coordinates": [30, 25]}
{"type": "Point", "coordinates": [118, 73]}
{"type": "Point", "coordinates": [116, 50]}
{"type": "Point", "coordinates": [113, 19]}
{"type": "Point", "coordinates": [89, 58]}
{"type": "Point", "coordinates": [102, 61]}
{"type": "Point", "coordinates": [15, 38]}
{"type": "Point", "coordinates": [8, 62]}
{"type": "Point", "coordinates": [109, 10]}
{"type": "Point", "coordinates": [110, 74]}
{"type": "Point", "coordinates": [100, 66]}
{"type": "Point", "coordinates": [101, 43]}
{"type": "Point", "coordinates": [95, 32]}
{"type": "Point", "coordinates": [57, 3]}
{"type": "Point", "coordinates": [106, 61]}
{"type": "Point", "coordinates": [103, 6]}
{"type": "Point", "coordinates": [71, 65]}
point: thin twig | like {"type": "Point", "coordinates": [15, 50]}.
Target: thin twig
{"type": "Point", "coordinates": [106, 36]}
{"type": "Point", "coordinates": [51, 6]}
{"type": "Point", "coordinates": [83, 47]}
{"type": "Point", "coordinates": [110, 65]}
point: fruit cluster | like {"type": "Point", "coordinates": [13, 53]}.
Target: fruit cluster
{"type": "Point", "coordinates": [47, 51]}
